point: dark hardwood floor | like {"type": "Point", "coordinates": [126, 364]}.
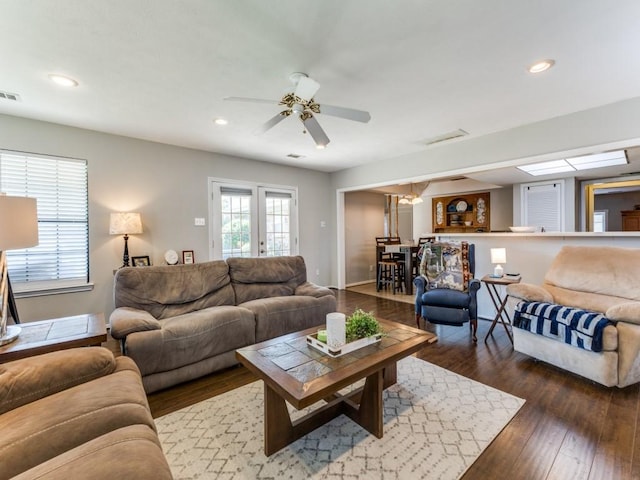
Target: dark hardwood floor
{"type": "Point", "coordinates": [569, 427]}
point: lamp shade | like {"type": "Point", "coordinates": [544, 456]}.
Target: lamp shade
{"type": "Point", "coordinates": [125, 223]}
{"type": "Point", "coordinates": [498, 255]}
{"type": "Point", "coordinates": [18, 222]}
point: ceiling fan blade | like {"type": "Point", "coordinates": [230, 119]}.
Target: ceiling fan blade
{"type": "Point", "coordinates": [316, 131]}
{"type": "Point", "coordinates": [348, 113]}
{"type": "Point", "coordinates": [306, 88]}
{"type": "Point", "coordinates": [251, 100]}
{"type": "Point", "coordinates": [272, 122]}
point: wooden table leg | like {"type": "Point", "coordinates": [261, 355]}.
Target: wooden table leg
{"type": "Point", "coordinates": [369, 414]}
{"type": "Point", "coordinates": [280, 431]}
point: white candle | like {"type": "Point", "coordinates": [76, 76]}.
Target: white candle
{"type": "Point", "coordinates": [336, 330]}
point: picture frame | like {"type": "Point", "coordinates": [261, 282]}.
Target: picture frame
{"type": "Point", "coordinates": [188, 257]}
{"type": "Point", "coordinates": [141, 261]}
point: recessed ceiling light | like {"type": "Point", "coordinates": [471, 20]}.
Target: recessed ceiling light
{"type": "Point", "coordinates": [541, 66]}
{"type": "Point", "coordinates": [62, 80]}
{"type": "Point", "coordinates": [221, 121]}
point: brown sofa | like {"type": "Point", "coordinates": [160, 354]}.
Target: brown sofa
{"type": "Point", "coordinates": [181, 322]}
{"type": "Point", "coordinates": [77, 414]}
{"type": "Point", "coordinates": [597, 279]}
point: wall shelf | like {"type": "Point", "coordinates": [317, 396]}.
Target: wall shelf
{"type": "Point", "coordinates": [468, 213]}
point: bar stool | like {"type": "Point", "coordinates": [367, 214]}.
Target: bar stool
{"type": "Point", "coordinates": [390, 273]}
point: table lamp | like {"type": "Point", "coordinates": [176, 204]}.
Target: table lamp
{"type": "Point", "coordinates": [498, 256]}
{"type": "Point", "coordinates": [125, 224]}
{"type": "Point", "coordinates": [18, 229]}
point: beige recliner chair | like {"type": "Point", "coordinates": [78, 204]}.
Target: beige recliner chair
{"type": "Point", "coordinates": [597, 279]}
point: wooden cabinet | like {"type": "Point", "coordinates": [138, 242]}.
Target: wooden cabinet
{"type": "Point", "coordinates": [630, 220]}
{"type": "Point", "coordinates": [461, 213]}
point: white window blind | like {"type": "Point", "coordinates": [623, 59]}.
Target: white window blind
{"type": "Point", "coordinates": [543, 205]}
{"type": "Point", "coordinates": [61, 259]}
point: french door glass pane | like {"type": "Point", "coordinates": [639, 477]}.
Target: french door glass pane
{"type": "Point", "coordinates": [277, 222]}
{"type": "Point", "coordinates": [236, 225]}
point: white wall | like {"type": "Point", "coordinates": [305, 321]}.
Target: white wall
{"type": "Point", "coordinates": [168, 186]}
{"type": "Point", "coordinates": [364, 220]}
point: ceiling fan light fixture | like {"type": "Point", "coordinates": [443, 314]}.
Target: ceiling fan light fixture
{"type": "Point", "coordinates": [404, 201]}
{"type": "Point", "coordinates": [541, 66]}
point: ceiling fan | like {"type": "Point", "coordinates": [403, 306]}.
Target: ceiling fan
{"type": "Point", "coordinates": [301, 103]}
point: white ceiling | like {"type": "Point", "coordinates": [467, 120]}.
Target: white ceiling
{"type": "Point", "coordinates": [159, 69]}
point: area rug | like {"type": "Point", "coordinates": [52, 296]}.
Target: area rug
{"type": "Point", "coordinates": [436, 424]}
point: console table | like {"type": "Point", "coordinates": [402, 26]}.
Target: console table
{"type": "Point", "coordinates": [56, 334]}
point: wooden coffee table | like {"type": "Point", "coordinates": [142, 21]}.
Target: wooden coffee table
{"type": "Point", "coordinates": [57, 334]}
{"type": "Point", "coordinates": [296, 373]}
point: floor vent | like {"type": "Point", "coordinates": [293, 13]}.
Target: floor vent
{"type": "Point", "coordinates": [9, 96]}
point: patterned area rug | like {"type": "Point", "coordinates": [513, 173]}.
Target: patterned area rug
{"type": "Point", "coordinates": [436, 423]}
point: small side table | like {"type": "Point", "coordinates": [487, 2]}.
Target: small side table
{"type": "Point", "coordinates": [57, 334]}
{"type": "Point", "coordinates": [500, 302]}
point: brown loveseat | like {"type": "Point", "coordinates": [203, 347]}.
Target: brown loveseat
{"type": "Point", "coordinates": [582, 280]}
{"type": "Point", "coordinates": [184, 321]}
{"type": "Point", "coordinates": [77, 414]}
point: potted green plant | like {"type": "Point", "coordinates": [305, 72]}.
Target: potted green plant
{"type": "Point", "coordinates": [361, 324]}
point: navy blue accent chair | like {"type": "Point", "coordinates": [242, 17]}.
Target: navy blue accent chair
{"type": "Point", "coordinates": [443, 306]}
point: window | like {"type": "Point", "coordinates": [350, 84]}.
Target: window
{"type": "Point", "coordinates": [252, 220]}
{"type": "Point", "coordinates": [61, 259]}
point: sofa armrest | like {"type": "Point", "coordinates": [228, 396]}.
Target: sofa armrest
{"type": "Point", "coordinates": [126, 320]}
{"type": "Point", "coordinates": [529, 293]}
{"type": "Point", "coordinates": [29, 379]}
{"type": "Point", "coordinates": [628, 312]}
{"type": "Point", "coordinates": [312, 290]}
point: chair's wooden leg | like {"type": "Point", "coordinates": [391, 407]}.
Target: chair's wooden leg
{"type": "Point", "coordinates": [474, 329]}
{"type": "Point", "coordinates": [418, 320]}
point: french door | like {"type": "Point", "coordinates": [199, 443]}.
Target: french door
{"type": "Point", "coordinates": [250, 220]}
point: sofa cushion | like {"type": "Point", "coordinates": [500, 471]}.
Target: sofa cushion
{"type": "Point", "coordinates": [586, 300]}
{"type": "Point", "coordinates": [264, 277]}
{"type": "Point", "coordinates": [446, 265]}
{"type": "Point", "coordinates": [607, 271]}
{"type": "Point", "coordinates": [277, 316]}
{"type": "Point", "coordinates": [131, 452]}
{"type": "Point", "coordinates": [189, 338]}
{"type": "Point", "coordinates": [161, 290]}
{"type": "Point", "coordinates": [29, 379]}
{"type": "Point", "coordinates": [38, 431]}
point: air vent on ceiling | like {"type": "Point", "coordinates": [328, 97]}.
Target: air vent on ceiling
{"type": "Point", "coordinates": [446, 136]}
{"type": "Point", "coordinates": [295, 155]}
{"type": "Point", "coordinates": [9, 96]}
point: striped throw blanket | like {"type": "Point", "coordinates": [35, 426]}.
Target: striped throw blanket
{"type": "Point", "coordinates": [580, 328]}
